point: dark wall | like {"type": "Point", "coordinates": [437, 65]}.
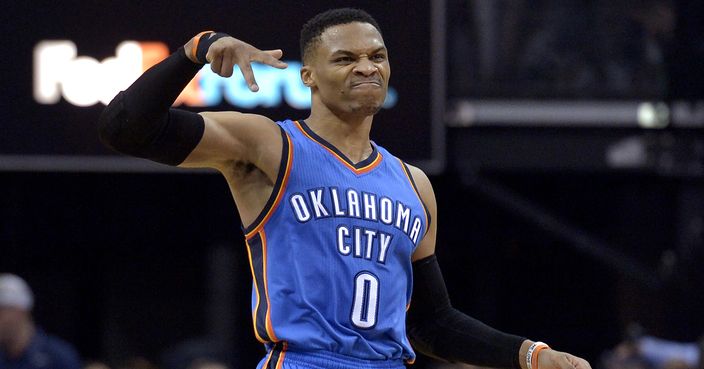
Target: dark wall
{"type": "Point", "coordinates": [119, 261]}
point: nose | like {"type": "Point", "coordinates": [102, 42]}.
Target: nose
{"type": "Point", "coordinates": [365, 67]}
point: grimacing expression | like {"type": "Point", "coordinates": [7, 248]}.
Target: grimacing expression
{"type": "Point", "coordinates": [349, 69]}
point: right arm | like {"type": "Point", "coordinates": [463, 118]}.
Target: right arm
{"type": "Point", "coordinates": [437, 329]}
{"type": "Point", "coordinates": [140, 121]}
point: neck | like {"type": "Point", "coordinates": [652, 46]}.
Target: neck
{"type": "Point", "coordinates": [17, 344]}
{"type": "Point", "coordinates": [348, 132]}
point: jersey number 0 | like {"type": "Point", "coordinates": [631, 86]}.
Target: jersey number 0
{"type": "Point", "coordinates": [365, 305]}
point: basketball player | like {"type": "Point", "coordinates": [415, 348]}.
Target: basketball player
{"type": "Point", "coordinates": [340, 233]}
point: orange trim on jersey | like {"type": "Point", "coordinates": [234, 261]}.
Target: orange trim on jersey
{"type": "Point", "coordinates": [267, 324]}
{"type": "Point", "coordinates": [256, 288]}
{"type": "Point", "coordinates": [268, 359]}
{"type": "Point", "coordinates": [415, 190]}
{"type": "Point", "coordinates": [357, 171]}
{"type": "Point", "coordinates": [409, 361]}
{"type": "Point", "coordinates": [279, 195]}
{"type": "Point", "coordinates": [283, 355]}
{"type": "Point", "coordinates": [194, 49]}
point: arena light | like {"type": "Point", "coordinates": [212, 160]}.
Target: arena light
{"type": "Point", "coordinates": [85, 81]}
{"type": "Point", "coordinates": [558, 113]}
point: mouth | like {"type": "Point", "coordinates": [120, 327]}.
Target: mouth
{"type": "Point", "coordinates": [366, 83]}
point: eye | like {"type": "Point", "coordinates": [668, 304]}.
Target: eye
{"type": "Point", "coordinates": [379, 57]}
{"type": "Point", "coordinates": [343, 59]}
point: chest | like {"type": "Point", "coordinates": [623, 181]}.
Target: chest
{"type": "Point", "coordinates": [362, 211]}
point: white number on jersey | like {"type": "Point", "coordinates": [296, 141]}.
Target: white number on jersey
{"type": "Point", "coordinates": [365, 304]}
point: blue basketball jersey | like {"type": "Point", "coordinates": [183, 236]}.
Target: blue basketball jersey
{"type": "Point", "coordinates": [331, 253]}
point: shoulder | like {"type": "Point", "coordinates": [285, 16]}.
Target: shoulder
{"type": "Point", "coordinates": [232, 137]}
{"type": "Point", "coordinates": [418, 174]}
{"type": "Point", "coordinates": [425, 190]}
{"type": "Point", "coordinates": [62, 353]}
{"type": "Point", "coordinates": [425, 187]}
{"type": "Point", "coordinates": [235, 118]}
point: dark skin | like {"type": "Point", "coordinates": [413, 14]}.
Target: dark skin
{"type": "Point", "coordinates": [348, 73]}
{"type": "Point", "coordinates": [16, 330]}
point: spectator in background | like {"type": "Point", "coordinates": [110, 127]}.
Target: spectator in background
{"type": "Point", "coordinates": [22, 344]}
{"type": "Point", "coordinates": [207, 364]}
{"type": "Point", "coordinates": [138, 362]}
{"type": "Point", "coordinates": [648, 352]}
{"type": "Point", "coordinates": [96, 365]}
{"type": "Point", "coordinates": [199, 353]}
{"type": "Point", "coordinates": [669, 354]}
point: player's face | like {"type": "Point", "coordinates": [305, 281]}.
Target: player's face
{"type": "Point", "coordinates": [350, 69]}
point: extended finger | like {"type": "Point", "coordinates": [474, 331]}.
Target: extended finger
{"type": "Point", "coordinates": [248, 74]}
{"type": "Point", "coordinates": [270, 57]}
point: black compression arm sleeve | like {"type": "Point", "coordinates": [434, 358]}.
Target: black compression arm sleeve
{"type": "Point", "coordinates": [140, 122]}
{"type": "Point", "coordinates": [437, 329]}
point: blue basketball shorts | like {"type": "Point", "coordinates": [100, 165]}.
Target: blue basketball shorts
{"type": "Point", "coordinates": [282, 359]}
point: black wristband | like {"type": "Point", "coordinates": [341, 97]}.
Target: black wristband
{"type": "Point", "coordinates": [203, 44]}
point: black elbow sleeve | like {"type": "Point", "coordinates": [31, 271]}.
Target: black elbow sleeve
{"type": "Point", "coordinates": [168, 139]}
{"type": "Point", "coordinates": [437, 329]}
{"type": "Point", "coordinates": [140, 122]}
{"type": "Point", "coordinates": [111, 125]}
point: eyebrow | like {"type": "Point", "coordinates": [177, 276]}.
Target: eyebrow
{"type": "Point", "coordinates": [350, 53]}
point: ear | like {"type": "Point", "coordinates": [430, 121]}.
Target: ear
{"type": "Point", "coordinates": [307, 76]}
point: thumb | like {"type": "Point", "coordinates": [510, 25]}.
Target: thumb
{"type": "Point", "coordinates": [568, 361]}
{"type": "Point", "coordinates": [552, 359]}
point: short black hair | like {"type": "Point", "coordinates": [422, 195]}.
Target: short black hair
{"type": "Point", "coordinates": [311, 31]}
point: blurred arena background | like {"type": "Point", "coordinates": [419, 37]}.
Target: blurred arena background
{"type": "Point", "coordinates": [564, 138]}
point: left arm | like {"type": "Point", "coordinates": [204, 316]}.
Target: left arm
{"type": "Point", "coordinates": [437, 329]}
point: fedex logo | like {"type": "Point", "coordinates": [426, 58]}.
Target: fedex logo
{"type": "Point", "coordinates": [85, 81]}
